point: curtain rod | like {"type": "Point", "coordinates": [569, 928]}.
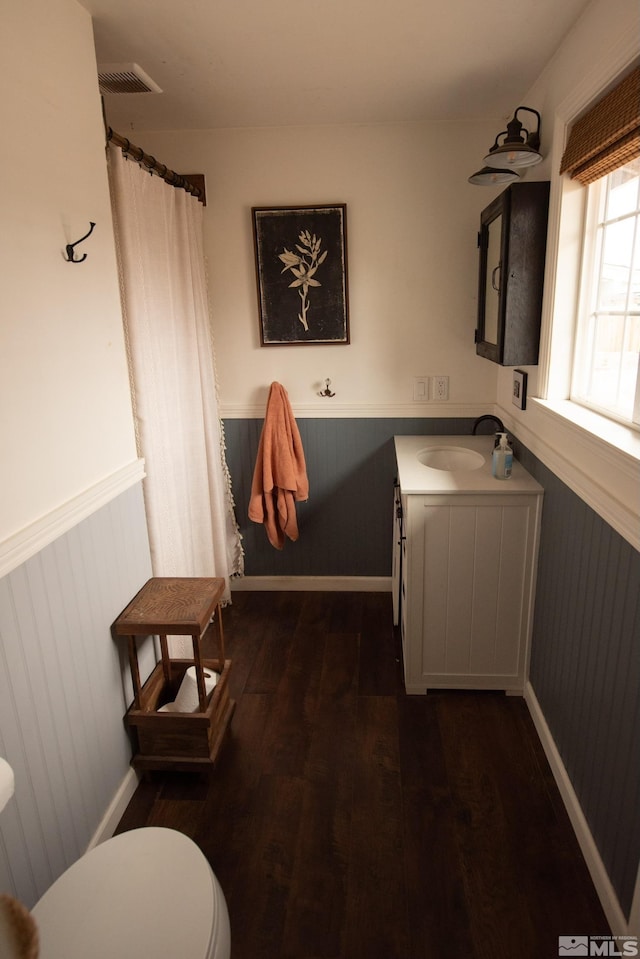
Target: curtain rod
{"type": "Point", "coordinates": [152, 165]}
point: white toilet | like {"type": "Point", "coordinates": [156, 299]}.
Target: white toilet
{"type": "Point", "coordinates": [147, 892]}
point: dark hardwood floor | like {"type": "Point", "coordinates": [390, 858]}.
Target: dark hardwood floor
{"type": "Point", "coordinates": [346, 819]}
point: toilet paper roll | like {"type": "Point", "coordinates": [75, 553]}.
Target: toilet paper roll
{"type": "Point", "coordinates": [187, 700]}
{"type": "Point", "coordinates": [7, 782]}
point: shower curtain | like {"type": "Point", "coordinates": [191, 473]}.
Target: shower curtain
{"type": "Point", "coordinates": [187, 489]}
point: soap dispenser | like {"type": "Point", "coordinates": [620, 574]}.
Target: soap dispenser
{"type": "Point", "coordinates": [502, 458]}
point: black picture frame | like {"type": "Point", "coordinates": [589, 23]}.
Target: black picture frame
{"type": "Point", "coordinates": [301, 273]}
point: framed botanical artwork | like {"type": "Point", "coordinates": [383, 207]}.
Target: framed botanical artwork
{"type": "Point", "coordinates": [301, 272]}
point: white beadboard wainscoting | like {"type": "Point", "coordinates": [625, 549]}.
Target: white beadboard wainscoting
{"type": "Point", "coordinates": [64, 689]}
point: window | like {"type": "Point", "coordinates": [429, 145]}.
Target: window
{"type": "Point", "coordinates": [603, 154]}
{"type": "Point", "coordinates": [596, 452]}
{"type": "Point", "coordinates": [607, 352]}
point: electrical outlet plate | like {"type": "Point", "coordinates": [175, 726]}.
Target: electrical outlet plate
{"type": "Point", "coordinates": [441, 387]}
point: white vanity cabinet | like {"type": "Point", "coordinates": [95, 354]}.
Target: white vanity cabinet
{"type": "Point", "coordinates": [467, 561]}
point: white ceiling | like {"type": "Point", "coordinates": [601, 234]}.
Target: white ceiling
{"type": "Point", "coordinates": [232, 63]}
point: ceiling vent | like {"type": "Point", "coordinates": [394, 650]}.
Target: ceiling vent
{"type": "Point", "coordinates": [125, 78]}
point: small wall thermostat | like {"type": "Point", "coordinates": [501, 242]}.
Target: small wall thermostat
{"type": "Point", "coordinates": [519, 396]}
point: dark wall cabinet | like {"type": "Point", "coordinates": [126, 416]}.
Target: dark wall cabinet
{"type": "Point", "coordinates": [512, 242]}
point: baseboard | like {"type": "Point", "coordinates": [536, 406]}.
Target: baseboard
{"type": "Point", "coordinates": [115, 810]}
{"type": "Point", "coordinates": [606, 892]}
{"type": "Point", "coordinates": [335, 584]}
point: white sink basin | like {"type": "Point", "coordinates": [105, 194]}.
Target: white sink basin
{"type": "Point", "coordinates": [450, 458]}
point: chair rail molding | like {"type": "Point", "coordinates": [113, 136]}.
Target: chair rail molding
{"type": "Point", "coordinates": [23, 544]}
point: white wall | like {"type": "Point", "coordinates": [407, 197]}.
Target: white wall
{"type": "Point", "coordinates": [65, 414]}
{"type": "Point", "coordinates": [597, 459]}
{"type": "Point", "coordinates": [69, 463]}
{"type": "Point", "coordinates": [412, 223]}
{"type": "Point", "coordinates": [412, 220]}
{"type": "Point", "coordinates": [602, 43]}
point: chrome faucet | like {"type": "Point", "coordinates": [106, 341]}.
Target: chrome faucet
{"type": "Point", "coordinates": [488, 416]}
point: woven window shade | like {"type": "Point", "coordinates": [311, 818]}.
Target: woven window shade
{"type": "Point", "coordinates": [606, 137]}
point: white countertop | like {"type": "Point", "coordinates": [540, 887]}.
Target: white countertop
{"type": "Point", "coordinates": [416, 478]}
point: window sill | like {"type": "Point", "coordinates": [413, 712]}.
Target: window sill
{"type": "Point", "coordinates": [613, 435]}
{"type": "Point", "coordinates": [597, 457]}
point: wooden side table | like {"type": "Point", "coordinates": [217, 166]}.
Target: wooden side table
{"type": "Point", "coordinates": [177, 606]}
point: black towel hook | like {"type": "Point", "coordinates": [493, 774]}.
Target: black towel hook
{"type": "Point", "coordinates": [70, 256]}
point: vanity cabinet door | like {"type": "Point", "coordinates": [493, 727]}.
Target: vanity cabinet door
{"type": "Point", "coordinates": [512, 244]}
{"type": "Point", "coordinates": [396, 566]}
{"type": "Point", "coordinates": [471, 562]}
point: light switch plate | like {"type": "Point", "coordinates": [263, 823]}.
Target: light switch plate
{"type": "Point", "coordinates": [420, 389]}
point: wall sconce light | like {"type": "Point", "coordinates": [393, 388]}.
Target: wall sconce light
{"type": "Point", "coordinates": [487, 176]}
{"type": "Point", "coordinates": [520, 148]}
{"type": "Point", "coordinates": [515, 150]}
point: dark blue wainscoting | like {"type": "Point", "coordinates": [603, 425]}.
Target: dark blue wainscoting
{"type": "Point", "coordinates": [346, 524]}
{"type": "Point", "coordinates": [585, 667]}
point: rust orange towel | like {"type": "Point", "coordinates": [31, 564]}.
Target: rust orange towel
{"type": "Point", "coordinates": [280, 474]}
